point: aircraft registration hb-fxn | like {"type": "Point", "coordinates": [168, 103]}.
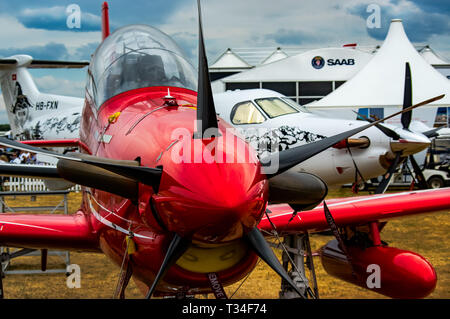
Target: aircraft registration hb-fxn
{"type": "Point", "coordinates": [34, 115]}
{"type": "Point", "coordinates": [182, 224]}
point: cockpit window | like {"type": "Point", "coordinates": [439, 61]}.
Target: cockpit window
{"type": "Point", "coordinates": [246, 113]}
{"type": "Point", "coordinates": [295, 105]}
{"type": "Point", "coordinates": [139, 56]}
{"type": "Point", "coordinates": [274, 107]}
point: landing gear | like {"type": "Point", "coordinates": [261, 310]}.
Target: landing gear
{"type": "Point", "coordinates": [297, 254]}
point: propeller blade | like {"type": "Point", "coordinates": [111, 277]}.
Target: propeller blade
{"type": "Point", "coordinates": [258, 243]}
{"type": "Point", "coordinates": [418, 172]}
{"type": "Point", "coordinates": [177, 247]}
{"type": "Point", "coordinates": [129, 169]}
{"type": "Point", "coordinates": [98, 178]}
{"type": "Point", "coordinates": [388, 175]}
{"type": "Point", "coordinates": [387, 131]}
{"type": "Point", "coordinates": [206, 111]}
{"type": "Point", "coordinates": [29, 170]}
{"type": "Point", "coordinates": [294, 156]}
{"type": "Point", "coordinates": [432, 133]}
{"type": "Point", "coordinates": [407, 98]}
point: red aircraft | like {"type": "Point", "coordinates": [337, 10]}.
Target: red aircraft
{"type": "Point", "coordinates": [181, 201]}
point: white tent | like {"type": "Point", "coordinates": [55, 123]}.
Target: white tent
{"type": "Point", "coordinates": [381, 82]}
{"type": "Point", "coordinates": [277, 55]}
{"type": "Point", "coordinates": [230, 61]}
{"type": "Point", "coordinates": [299, 68]}
{"type": "Point", "coordinates": [431, 57]}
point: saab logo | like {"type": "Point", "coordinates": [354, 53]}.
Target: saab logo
{"type": "Point", "coordinates": [318, 62]}
{"type": "Point", "coordinates": [14, 77]}
{"type": "Point", "coordinates": [333, 62]}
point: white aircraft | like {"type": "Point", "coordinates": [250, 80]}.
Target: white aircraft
{"type": "Point", "coordinates": [266, 118]}
{"type": "Point", "coordinates": [34, 115]}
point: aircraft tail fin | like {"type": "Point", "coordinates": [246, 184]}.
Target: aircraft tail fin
{"type": "Point", "coordinates": [105, 20]}
{"type": "Point", "coordinates": [19, 91]}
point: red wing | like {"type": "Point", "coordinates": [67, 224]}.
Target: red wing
{"type": "Point", "coordinates": [358, 210]}
{"type": "Point", "coordinates": [75, 142]}
{"type": "Point", "coordinates": [65, 232]}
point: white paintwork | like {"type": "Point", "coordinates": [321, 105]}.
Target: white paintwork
{"type": "Point", "coordinates": [323, 164]}
{"type": "Point", "coordinates": [40, 115]}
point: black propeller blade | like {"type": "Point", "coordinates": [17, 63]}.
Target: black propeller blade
{"type": "Point", "coordinates": [177, 247]}
{"type": "Point", "coordinates": [407, 98]}
{"type": "Point", "coordinates": [294, 156]}
{"type": "Point", "coordinates": [432, 133]}
{"type": "Point", "coordinates": [387, 131]}
{"type": "Point", "coordinates": [206, 111]}
{"type": "Point", "coordinates": [407, 102]}
{"type": "Point", "coordinates": [418, 172]}
{"type": "Point", "coordinates": [381, 188]}
{"type": "Point", "coordinates": [129, 169]}
{"type": "Point", "coordinates": [26, 170]}
{"type": "Point", "coordinates": [262, 249]}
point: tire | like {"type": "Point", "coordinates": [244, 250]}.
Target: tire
{"type": "Point", "coordinates": [435, 182]}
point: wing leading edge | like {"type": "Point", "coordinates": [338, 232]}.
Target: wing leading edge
{"type": "Point", "coordinates": [358, 210]}
{"type": "Point", "coordinates": [65, 232]}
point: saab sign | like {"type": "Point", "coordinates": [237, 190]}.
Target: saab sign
{"type": "Point", "coordinates": [318, 62]}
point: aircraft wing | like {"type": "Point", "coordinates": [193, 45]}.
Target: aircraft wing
{"type": "Point", "coordinates": [357, 210]}
{"type": "Point", "coordinates": [38, 231]}
{"type": "Point", "coordinates": [56, 143]}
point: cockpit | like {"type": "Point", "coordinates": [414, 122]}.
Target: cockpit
{"type": "Point", "coordinates": [258, 110]}
{"type": "Point", "coordinates": [138, 56]}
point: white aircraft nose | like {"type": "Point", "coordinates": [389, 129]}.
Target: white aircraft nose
{"type": "Point", "coordinates": [409, 142]}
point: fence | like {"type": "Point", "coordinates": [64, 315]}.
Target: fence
{"type": "Point", "coordinates": [22, 184]}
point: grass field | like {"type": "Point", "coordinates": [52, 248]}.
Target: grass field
{"type": "Point", "coordinates": [427, 235]}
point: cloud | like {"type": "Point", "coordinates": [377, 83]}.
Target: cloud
{"type": "Point", "coordinates": [54, 51]}
{"type": "Point", "coordinates": [50, 51]}
{"type": "Point", "coordinates": [59, 86]}
{"type": "Point", "coordinates": [256, 23]}
{"type": "Point", "coordinates": [291, 37]}
{"type": "Point", "coordinates": [433, 5]}
{"type": "Point", "coordinates": [13, 34]}
{"type": "Point", "coordinates": [420, 23]}
{"type": "Point", "coordinates": [56, 18]}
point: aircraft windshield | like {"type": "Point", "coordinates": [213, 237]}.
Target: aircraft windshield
{"type": "Point", "coordinates": [139, 56]}
{"type": "Point", "coordinates": [274, 107]}
{"type": "Point", "coordinates": [295, 105]}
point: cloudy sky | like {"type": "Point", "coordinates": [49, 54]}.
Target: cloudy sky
{"type": "Point", "coordinates": [39, 28]}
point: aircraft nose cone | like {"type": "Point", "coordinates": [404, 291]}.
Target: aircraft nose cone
{"type": "Point", "coordinates": [410, 143]}
{"type": "Point", "coordinates": [213, 203]}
